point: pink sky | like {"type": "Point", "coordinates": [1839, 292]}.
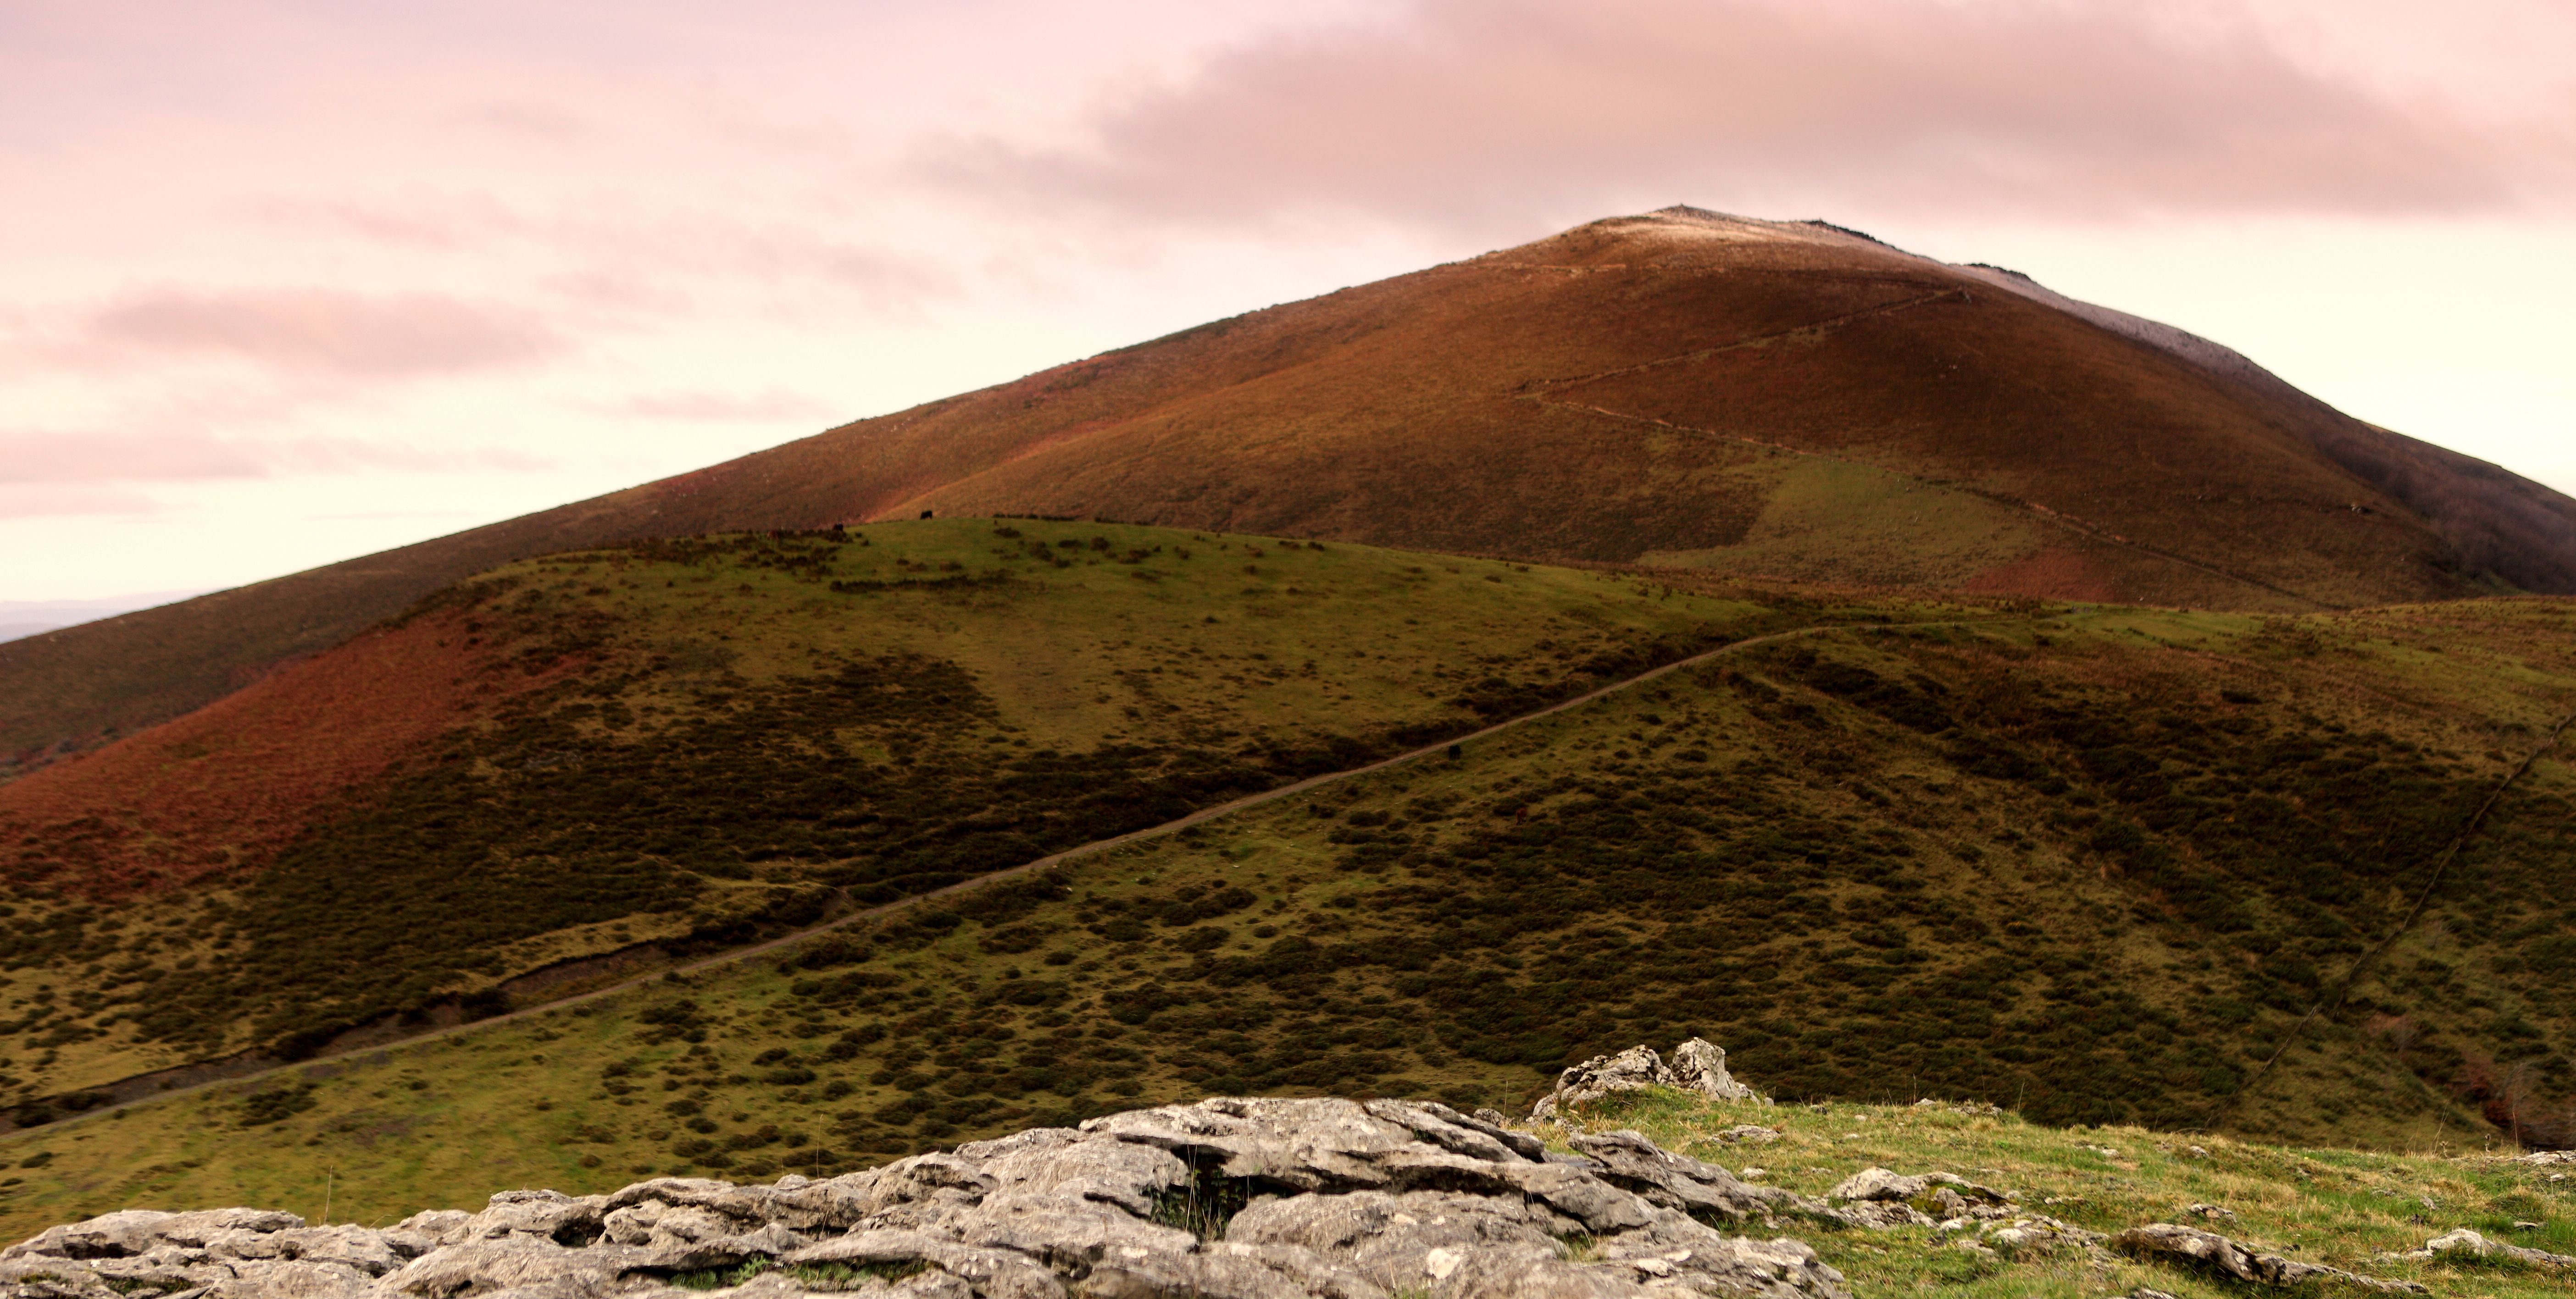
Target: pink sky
{"type": "Point", "coordinates": [288, 282]}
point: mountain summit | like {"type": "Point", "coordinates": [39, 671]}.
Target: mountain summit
{"type": "Point", "coordinates": [1683, 388]}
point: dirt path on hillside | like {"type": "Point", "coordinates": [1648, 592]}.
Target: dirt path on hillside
{"type": "Point", "coordinates": [193, 1078]}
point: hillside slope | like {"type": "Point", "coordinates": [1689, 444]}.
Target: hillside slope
{"type": "Point", "coordinates": [684, 745]}
{"type": "Point", "coordinates": [1641, 867]}
{"type": "Point", "coordinates": [1764, 398]}
{"type": "Point", "coordinates": [2100, 865]}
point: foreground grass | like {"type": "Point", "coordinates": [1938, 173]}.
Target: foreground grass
{"type": "Point", "coordinates": [490, 1098]}
{"type": "Point", "coordinates": [2340, 1207]}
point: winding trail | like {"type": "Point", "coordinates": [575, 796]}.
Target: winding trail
{"type": "Point", "coordinates": [254, 1071]}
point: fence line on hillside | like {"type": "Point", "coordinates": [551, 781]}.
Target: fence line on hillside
{"type": "Point", "coordinates": [2441, 867]}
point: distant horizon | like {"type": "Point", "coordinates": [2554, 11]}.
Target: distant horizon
{"type": "Point", "coordinates": [21, 618]}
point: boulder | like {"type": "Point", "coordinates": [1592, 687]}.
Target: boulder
{"type": "Point", "coordinates": [2467, 1242]}
{"type": "Point", "coordinates": [1226, 1199]}
{"type": "Point", "coordinates": [2208, 1251]}
{"type": "Point", "coordinates": [1698, 1065]}
{"type": "Point", "coordinates": [1886, 1184]}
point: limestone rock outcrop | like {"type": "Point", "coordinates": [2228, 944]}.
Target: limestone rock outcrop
{"type": "Point", "coordinates": [1228, 1199]}
{"type": "Point", "coordinates": [1880, 1198]}
{"type": "Point", "coordinates": [1698, 1065]}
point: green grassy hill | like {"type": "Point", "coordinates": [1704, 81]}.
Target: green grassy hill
{"type": "Point", "coordinates": [684, 746]}
{"type": "Point", "coordinates": [2095, 865]}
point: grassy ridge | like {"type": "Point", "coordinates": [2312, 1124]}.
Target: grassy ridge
{"type": "Point", "coordinates": [2092, 867]}
{"type": "Point", "coordinates": [742, 734]}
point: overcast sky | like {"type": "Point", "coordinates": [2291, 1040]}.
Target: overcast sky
{"type": "Point", "coordinates": [283, 283]}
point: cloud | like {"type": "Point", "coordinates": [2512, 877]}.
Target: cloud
{"type": "Point", "coordinates": [325, 331]}
{"type": "Point", "coordinates": [775, 404]}
{"type": "Point", "coordinates": [1472, 110]}
{"type": "Point", "coordinates": [528, 118]}
{"type": "Point", "coordinates": [641, 263]}
{"type": "Point", "coordinates": [438, 221]}
{"type": "Point", "coordinates": [73, 461]}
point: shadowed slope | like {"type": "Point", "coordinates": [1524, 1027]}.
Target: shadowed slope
{"type": "Point", "coordinates": [1685, 389]}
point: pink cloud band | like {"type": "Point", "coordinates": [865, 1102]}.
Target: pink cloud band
{"type": "Point", "coordinates": [326, 331]}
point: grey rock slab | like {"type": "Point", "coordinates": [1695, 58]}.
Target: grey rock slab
{"type": "Point", "coordinates": [1449, 1243]}
{"type": "Point", "coordinates": [1222, 1272]}
{"type": "Point", "coordinates": [2170, 1242]}
{"type": "Point", "coordinates": [1070, 1237]}
{"type": "Point", "coordinates": [992, 1273]}
{"type": "Point", "coordinates": [1458, 1133]}
{"type": "Point", "coordinates": [1881, 1215]}
{"type": "Point", "coordinates": [294, 1280]}
{"type": "Point", "coordinates": [1064, 1164]}
{"type": "Point", "coordinates": [1305, 1145]}
{"type": "Point", "coordinates": [1677, 1181]}
{"type": "Point", "coordinates": [517, 1262]}
{"type": "Point", "coordinates": [138, 1231]}
{"type": "Point", "coordinates": [2465, 1241]}
{"type": "Point", "coordinates": [771, 1242]}
{"type": "Point", "coordinates": [1886, 1184]}
{"type": "Point", "coordinates": [564, 1219]}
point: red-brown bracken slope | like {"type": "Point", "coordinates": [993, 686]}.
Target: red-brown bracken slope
{"type": "Point", "coordinates": [222, 786]}
{"type": "Point", "coordinates": [1680, 388]}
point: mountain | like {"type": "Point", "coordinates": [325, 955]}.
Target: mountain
{"type": "Point", "coordinates": [1680, 389]}
{"type": "Point", "coordinates": [1823, 737]}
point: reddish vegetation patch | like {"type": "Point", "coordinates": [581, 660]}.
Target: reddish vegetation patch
{"type": "Point", "coordinates": [223, 786]}
{"type": "Point", "coordinates": [2052, 574]}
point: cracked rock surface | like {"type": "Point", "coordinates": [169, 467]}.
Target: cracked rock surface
{"type": "Point", "coordinates": [1226, 1199]}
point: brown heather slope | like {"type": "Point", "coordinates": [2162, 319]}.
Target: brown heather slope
{"type": "Point", "coordinates": [1684, 389]}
